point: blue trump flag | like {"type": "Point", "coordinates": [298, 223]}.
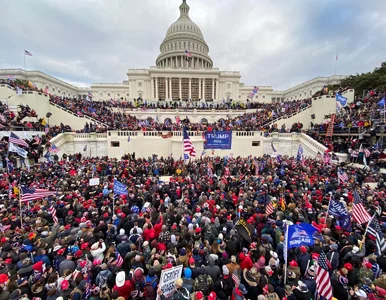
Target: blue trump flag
{"type": "Point", "coordinates": [300, 234]}
{"type": "Point", "coordinates": [382, 102]}
{"type": "Point", "coordinates": [339, 211]}
{"type": "Point", "coordinates": [119, 188]}
{"type": "Point", "coordinates": [342, 100]}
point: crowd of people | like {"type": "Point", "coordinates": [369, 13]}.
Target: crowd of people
{"type": "Point", "coordinates": [86, 242]}
{"type": "Point", "coordinates": [103, 112]}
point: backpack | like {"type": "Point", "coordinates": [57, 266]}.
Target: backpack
{"type": "Point", "coordinates": [149, 291]}
{"type": "Point", "coordinates": [202, 284]}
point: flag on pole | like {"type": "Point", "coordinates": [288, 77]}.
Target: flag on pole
{"type": "Point", "coordinates": [323, 281]}
{"type": "Point", "coordinates": [359, 212]}
{"type": "Point", "coordinates": [21, 152]}
{"type": "Point", "coordinates": [236, 278]}
{"type": "Point", "coordinates": [9, 165]}
{"type": "Point", "coordinates": [375, 229]}
{"type": "Point", "coordinates": [85, 148]}
{"type": "Point", "coordinates": [269, 208]}
{"type": "Point", "coordinates": [119, 188]}
{"type": "Point", "coordinates": [27, 53]}
{"type": "Point", "coordinates": [48, 156]}
{"type": "Point", "coordinates": [274, 154]}
{"type": "Point", "coordinates": [13, 138]}
{"type": "Point", "coordinates": [29, 194]}
{"type": "Point", "coordinates": [53, 149]}
{"type": "Point", "coordinates": [188, 54]}
{"type": "Point", "coordinates": [342, 176]}
{"type": "Point", "coordinates": [52, 210]}
{"type": "Point", "coordinates": [119, 261]}
{"type": "Point", "coordinates": [188, 146]}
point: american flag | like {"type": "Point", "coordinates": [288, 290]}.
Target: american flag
{"type": "Point", "coordinates": [46, 130]}
{"type": "Point", "coordinates": [53, 149]}
{"type": "Point", "coordinates": [257, 167]}
{"type": "Point", "coordinates": [2, 119]}
{"type": "Point", "coordinates": [269, 208]}
{"type": "Point", "coordinates": [119, 260]}
{"type": "Point", "coordinates": [27, 53]}
{"type": "Point", "coordinates": [52, 210]}
{"type": "Point", "coordinates": [327, 158]}
{"type": "Point", "coordinates": [89, 94]}
{"type": "Point", "coordinates": [236, 278]}
{"type": "Point", "coordinates": [323, 281]}
{"type": "Point", "coordinates": [188, 146]}
{"type": "Point", "coordinates": [37, 139]}
{"type": "Point", "coordinates": [319, 155]}
{"type": "Point", "coordinates": [10, 192]}
{"type": "Point", "coordinates": [29, 194]}
{"type": "Point", "coordinates": [13, 138]}
{"type": "Point", "coordinates": [342, 176]}
{"type": "Point", "coordinates": [367, 152]}
{"type": "Point", "coordinates": [375, 230]}
{"type": "Point", "coordinates": [359, 213]}
{"type": "Point", "coordinates": [188, 54]}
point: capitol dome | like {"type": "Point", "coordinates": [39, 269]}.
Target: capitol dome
{"type": "Point", "coordinates": [184, 35]}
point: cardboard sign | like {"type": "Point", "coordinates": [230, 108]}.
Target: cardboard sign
{"type": "Point", "coordinates": [93, 181]}
{"type": "Point", "coordinates": [168, 277]}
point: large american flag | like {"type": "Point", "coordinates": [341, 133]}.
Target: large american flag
{"type": "Point", "coordinates": [269, 208]}
{"type": "Point", "coordinates": [13, 138]}
{"type": "Point", "coordinates": [52, 210]}
{"type": "Point", "coordinates": [323, 282]}
{"type": "Point", "coordinates": [53, 149]}
{"type": "Point", "coordinates": [119, 260]}
{"type": "Point", "coordinates": [342, 176]}
{"type": "Point", "coordinates": [29, 194]}
{"type": "Point", "coordinates": [27, 53]}
{"type": "Point", "coordinates": [359, 212]}
{"type": "Point", "coordinates": [188, 146]}
{"type": "Point", "coordinates": [375, 230]}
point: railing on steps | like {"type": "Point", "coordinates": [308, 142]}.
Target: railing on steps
{"type": "Point", "coordinates": [287, 116]}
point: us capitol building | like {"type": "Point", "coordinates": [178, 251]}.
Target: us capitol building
{"type": "Point", "coordinates": [175, 76]}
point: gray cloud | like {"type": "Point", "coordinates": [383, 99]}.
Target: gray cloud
{"type": "Point", "coordinates": [278, 43]}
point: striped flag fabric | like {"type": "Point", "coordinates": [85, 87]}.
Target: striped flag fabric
{"type": "Point", "coordinates": [375, 230]}
{"type": "Point", "coordinates": [257, 167]}
{"type": "Point", "coordinates": [29, 194]}
{"type": "Point", "coordinates": [53, 149]}
{"type": "Point", "coordinates": [342, 176]}
{"type": "Point", "coordinates": [359, 212]}
{"type": "Point", "coordinates": [37, 140]}
{"type": "Point", "coordinates": [319, 155]}
{"type": "Point", "coordinates": [236, 278]}
{"type": "Point", "coordinates": [46, 130]}
{"type": "Point", "coordinates": [366, 152]}
{"type": "Point", "coordinates": [323, 281]}
{"type": "Point", "coordinates": [188, 146]}
{"type": "Point", "coordinates": [27, 53]}
{"type": "Point", "coordinates": [188, 54]}
{"type": "Point", "coordinates": [52, 210]}
{"type": "Point", "coordinates": [10, 192]}
{"type": "Point", "coordinates": [269, 208]}
{"type": "Point", "coordinates": [13, 138]}
{"type": "Point", "coordinates": [119, 260]}
{"type": "Point", "coordinates": [2, 119]}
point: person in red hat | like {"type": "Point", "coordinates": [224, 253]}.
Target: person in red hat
{"type": "Point", "coordinates": [303, 259]}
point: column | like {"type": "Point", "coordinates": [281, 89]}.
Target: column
{"type": "Point", "coordinates": [152, 88]}
{"type": "Point", "coordinates": [166, 88]}
{"type": "Point", "coordinates": [190, 88]}
{"type": "Point", "coordinates": [213, 88]}
{"type": "Point", "coordinates": [182, 61]}
{"type": "Point", "coordinates": [170, 89]}
{"type": "Point", "coordinates": [156, 89]}
{"type": "Point", "coordinates": [199, 88]}
{"type": "Point", "coordinates": [203, 88]}
{"type": "Point", "coordinates": [217, 88]}
{"type": "Point", "coordinates": [176, 61]}
{"type": "Point", "coordinates": [180, 89]}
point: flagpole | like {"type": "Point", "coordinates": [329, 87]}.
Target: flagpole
{"type": "Point", "coordinates": [21, 214]}
{"type": "Point", "coordinates": [367, 228]}
{"type": "Point", "coordinates": [286, 257]}
{"type": "Point", "coordinates": [24, 60]}
{"type": "Point", "coordinates": [336, 62]}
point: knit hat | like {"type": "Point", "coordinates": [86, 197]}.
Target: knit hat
{"type": "Point", "coordinates": [225, 270]}
{"type": "Point", "coordinates": [38, 266]}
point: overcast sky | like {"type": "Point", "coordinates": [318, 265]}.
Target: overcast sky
{"type": "Point", "coordinates": [271, 42]}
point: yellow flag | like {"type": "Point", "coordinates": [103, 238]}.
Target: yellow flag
{"type": "Point", "coordinates": [44, 123]}
{"type": "Point", "coordinates": [30, 84]}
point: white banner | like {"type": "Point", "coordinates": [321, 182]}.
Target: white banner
{"type": "Point", "coordinates": [168, 277]}
{"type": "Point", "coordinates": [18, 150]}
{"type": "Point", "coordinates": [93, 181]}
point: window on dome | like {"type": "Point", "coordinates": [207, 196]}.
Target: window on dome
{"type": "Point", "coordinates": [100, 94]}
{"type": "Point", "coordinates": [228, 86]}
{"type": "Point", "coordinates": [108, 94]}
{"type": "Point", "coordinates": [114, 144]}
{"type": "Point", "coordinates": [139, 83]}
{"type": "Point", "coordinates": [118, 95]}
{"type": "Point", "coordinates": [140, 95]}
{"type": "Point", "coordinates": [127, 94]}
{"type": "Point", "coordinates": [184, 45]}
{"type": "Point", "coordinates": [180, 45]}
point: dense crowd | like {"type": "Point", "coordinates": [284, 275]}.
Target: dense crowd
{"type": "Point", "coordinates": [103, 112]}
{"type": "Point", "coordinates": [192, 219]}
